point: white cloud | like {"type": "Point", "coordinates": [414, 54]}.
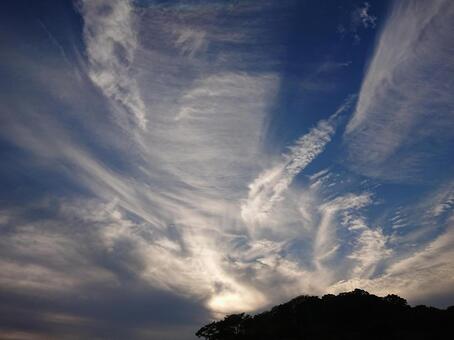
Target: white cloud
{"type": "Point", "coordinates": [177, 201]}
{"type": "Point", "coordinates": [415, 277]}
{"type": "Point", "coordinates": [405, 98]}
{"type": "Point", "coordinates": [361, 16]}
{"type": "Point", "coordinates": [370, 249]}
{"type": "Point", "coordinates": [325, 240]}
{"type": "Point", "coordinates": [268, 188]}
{"type": "Point", "coordinates": [443, 200]}
{"type": "Point", "coordinates": [419, 222]}
{"type": "Point", "coordinates": [110, 35]}
{"type": "Point", "coordinates": [191, 41]}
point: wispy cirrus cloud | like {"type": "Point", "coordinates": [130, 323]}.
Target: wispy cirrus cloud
{"type": "Point", "coordinates": [405, 98]}
{"type": "Point", "coordinates": [368, 244]}
{"type": "Point", "coordinates": [191, 41]}
{"type": "Point", "coordinates": [426, 272]}
{"type": "Point", "coordinates": [168, 203]}
{"type": "Point", "coordinates": [110, 34]}
{"type": "Point", "coordinates": [269, 186]}
{"type": "Point", "coordinates": [360, 18]}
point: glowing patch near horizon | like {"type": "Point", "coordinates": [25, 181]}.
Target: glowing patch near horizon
{"type": "Point", "coordinates": [233, 302]}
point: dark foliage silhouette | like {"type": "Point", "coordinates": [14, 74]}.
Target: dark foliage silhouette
{"type": "Point", "coordinates": [352, 315]}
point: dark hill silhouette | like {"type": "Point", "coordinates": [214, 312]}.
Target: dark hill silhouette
{"type": "Point", "coordinates": [352, 315]}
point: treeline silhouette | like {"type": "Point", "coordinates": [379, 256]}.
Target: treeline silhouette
{"type": "Point", "coordinates": [352, 315]}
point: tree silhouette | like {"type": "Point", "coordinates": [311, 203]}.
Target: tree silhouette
{"type": "Point", "coordinates": [350, 315]}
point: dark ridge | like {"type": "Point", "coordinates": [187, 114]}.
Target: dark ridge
{"type": "Point", "coordinates": [351, 315]}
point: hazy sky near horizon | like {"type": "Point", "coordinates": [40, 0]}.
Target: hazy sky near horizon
{"type": "Point", "coordinates": [164, 163]}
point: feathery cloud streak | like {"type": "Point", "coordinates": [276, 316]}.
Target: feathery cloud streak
{"type": "Point", "coordinates": [405, 98]}
{"type": "Point", "coordinates": [269, 186]}
{"type": "Point", "coordinates": [110, 34]}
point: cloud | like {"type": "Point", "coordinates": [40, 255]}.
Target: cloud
{"type": "Point", "coordinates": [405, 98]}
{"type": "Point", "coordinates": [155, 205]}
{"type": "Point", "coordinates": [416, 276]}
{"type": "Point", "coordinates": [443, 201]}
{"type": "Point", "coordinates": [191, 41]}
{"type": "Point", "coordinates": [63, 272]}
{"type": "Point", "coordinates": [345, 209]}
{"type": "Point", "coordinates": [110, 36]}
{"type": "Point", "coordinates": [324, 77]}
{"type": "Point", "coordinates": [423, 220]}
{"type": "Point", "coordinates": [360, 18]}
{"type": "Point", "coordinates": [271, 184]}
{"type": "Point", "coordinates": [371, 248]}
{"type": "Point", "coordinates": [414, 261]}
{"type": "Point", "coordinates": [269, 187]}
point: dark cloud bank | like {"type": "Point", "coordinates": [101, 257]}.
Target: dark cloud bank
{"type": "Point", "coordinates": [129, 311]}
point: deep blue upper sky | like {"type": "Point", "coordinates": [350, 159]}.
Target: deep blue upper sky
{"type": "Point", "coordinates": [164, 163]}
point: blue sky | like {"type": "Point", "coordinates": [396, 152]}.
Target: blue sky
{"type": "Point", "coordinates": [164, 163]}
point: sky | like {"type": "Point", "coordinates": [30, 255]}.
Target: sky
{"type": "Point", "coordinates": [165, 163]}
